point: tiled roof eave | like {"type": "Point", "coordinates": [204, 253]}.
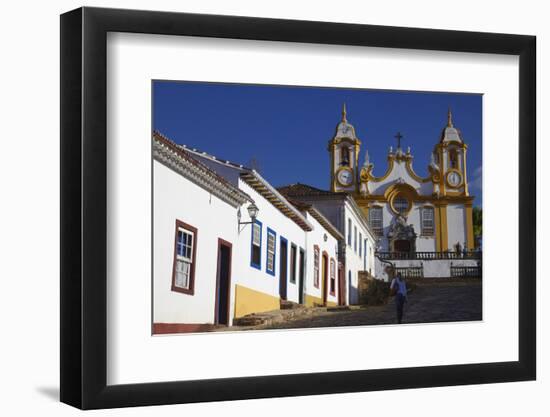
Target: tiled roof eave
{"type": "Point", "coordinates": [199, 175]}
{"type": "Point", "coordinates": [325, 223]}
{"type": "Point", "coordinates": [253, 179]}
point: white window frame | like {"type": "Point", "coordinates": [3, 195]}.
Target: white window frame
{"type": "Point", "coordinates": [316, 263]}
{"type": "Point", "coordinates": [270, 253]}
{"type": "Point", "coordinates": [427, 231]}
{"type": "Point", "coordinates": [375, 229]}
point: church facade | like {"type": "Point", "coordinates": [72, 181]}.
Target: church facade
{"type": "Point", "coordinates": [411, 215]}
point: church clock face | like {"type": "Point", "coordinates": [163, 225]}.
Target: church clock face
{"type": "Point", "coordinates": [454, 179]}
{"type": "Point", "coordinates": [345, 177]}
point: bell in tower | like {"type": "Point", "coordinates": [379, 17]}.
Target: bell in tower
{"type": "Point", "coordinates": [344, 154]}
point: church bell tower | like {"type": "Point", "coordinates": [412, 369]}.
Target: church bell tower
{"type": "Point", "coordinates": [344, 156]}
{"type": "Point", "coordinates": [450, 157]}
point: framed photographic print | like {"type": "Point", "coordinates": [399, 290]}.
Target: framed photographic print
{"type": "Point", "coordinates": [258, 208]}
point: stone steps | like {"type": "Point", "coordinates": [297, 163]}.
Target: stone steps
{"type": "Point", "coordinates": [278, 316]}
{"type": "Point", "coordinates": [289, 305]}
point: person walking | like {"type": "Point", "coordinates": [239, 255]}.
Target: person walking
{"type": "Point", "coordinates": [398, 287]}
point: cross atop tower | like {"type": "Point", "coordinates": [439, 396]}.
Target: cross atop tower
{"type": "Point", "coordinates": [449, 118]}
{"type": "Point", "coordinates": [398, 136]}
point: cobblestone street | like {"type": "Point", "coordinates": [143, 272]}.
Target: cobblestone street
{"type": "Point", "coordinates": [428, 303]}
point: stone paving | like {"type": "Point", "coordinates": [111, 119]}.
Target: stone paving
{"type": "Point", "coordinates": [428, 303]}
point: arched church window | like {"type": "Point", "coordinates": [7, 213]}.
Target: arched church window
{"type": "Point", "coordinates": [344, 156]}
{"type": "Point", "coordinates": [401, 204]}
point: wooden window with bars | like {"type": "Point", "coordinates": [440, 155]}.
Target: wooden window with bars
{"type": "Point", "coordinates": [256, 245]}
{"type": "Point", "coordinates": [332, 277]}
{"type": "Point", "coordinates": [316, 255]}
{"type": "Point", "coordinates": [185, 248]}
{"type": "Point", "coordinates": [270, 258]}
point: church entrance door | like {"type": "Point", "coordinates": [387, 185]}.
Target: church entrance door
{"type": "Point", "coordinates": [402, 246]}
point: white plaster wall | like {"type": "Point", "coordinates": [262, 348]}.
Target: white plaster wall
{"type": "Point", "coordinates": [387, 218]}
{"type": "Point", "coordinates": [259, 279]}
{"type": "Point", "coordinates": [213, 218]}
{"type": "Point", "coordinates": [456, 225]}
{"type": "Point", "coordinates": [426, 188]}
{"type": "Point", "coordinates": [399, 171]}
{"type": "Point", "coordinates": [316, 237]}
{"type": "Point", "coordinates": [369, 259]}
{"type": "Point", "coordinates": [354, 261]}
{"type": "Point", "coordinates": [333, 211]}
{"type": "Point", "coordinates": [423, 243]}
{"type": "Point", "coordinates": [437, 268]}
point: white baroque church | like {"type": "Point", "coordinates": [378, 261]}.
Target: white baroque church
{"type": "Point", "coordinates": [414, 217]}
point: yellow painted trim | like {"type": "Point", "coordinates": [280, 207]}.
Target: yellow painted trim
{"type": "Point", "coordinates": [444, 227]}
{"type": "Point", "coordinates": [465, 172]}
{"type": "Point", "coordinates": [469, 227]}
{"type": "Point", "coordinates": [389, 169]}
{"type": "Point", "coordinates": [332, 168]}
{"type": "Point", "coordinates": [448, 199]}
{"type": "Point", "coordinates": [248, 301]}
{"type": "Point", "coordinates": [338, 141]}
{"type": "Point", "coordinates": [442, 164]}
{"type": "Point", "coordinates": [437, 230]}
{"type": "Point", "coordinates": [365, 211]}
{"type": "Point", "coordinates": [454, 194]}
{"type": "Point", "coordinates": [413, 174]}
{"type": "Point", "coordinates": [405, 190]}
{"type": "Point", "coordinates": [311, 300]}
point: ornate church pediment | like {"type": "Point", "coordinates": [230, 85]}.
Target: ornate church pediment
{"type": "Point", "coordinates": [401, 236]}
{"type": "Point", "coordinates": [400, 230]}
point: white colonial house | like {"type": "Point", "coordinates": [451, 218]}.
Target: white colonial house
{"type": "Point", "coordinates": [356, 245]}
{"type": "Point", "coordinates": [323, 284]}
{"type": "Point", "coordinates": [194, 212]}
{"type": "Point", "coordinates": [228, 244]}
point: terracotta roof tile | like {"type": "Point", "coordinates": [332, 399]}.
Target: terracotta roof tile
{"type": "Point", "coordinates": [304, 190]}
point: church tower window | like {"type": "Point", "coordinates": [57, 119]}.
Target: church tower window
{"type": "Point", "coordinates": [344, 156]}
{"type": "Point", "coordinates": [453, 158]}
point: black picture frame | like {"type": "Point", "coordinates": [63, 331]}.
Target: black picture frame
{"type": "Point", "coordinates": [84, 207]}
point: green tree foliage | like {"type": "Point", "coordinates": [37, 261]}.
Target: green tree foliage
{"type": "Point", "coordinates": [477, 220]}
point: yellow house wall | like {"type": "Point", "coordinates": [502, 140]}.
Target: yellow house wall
{"type": "Point", "coordinates": [311, 301]}
{"type": "Point", "coordinates": [248, 301]}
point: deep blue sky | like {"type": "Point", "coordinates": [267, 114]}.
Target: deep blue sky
{"type": "Point", "coordinates": [286, 129]}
